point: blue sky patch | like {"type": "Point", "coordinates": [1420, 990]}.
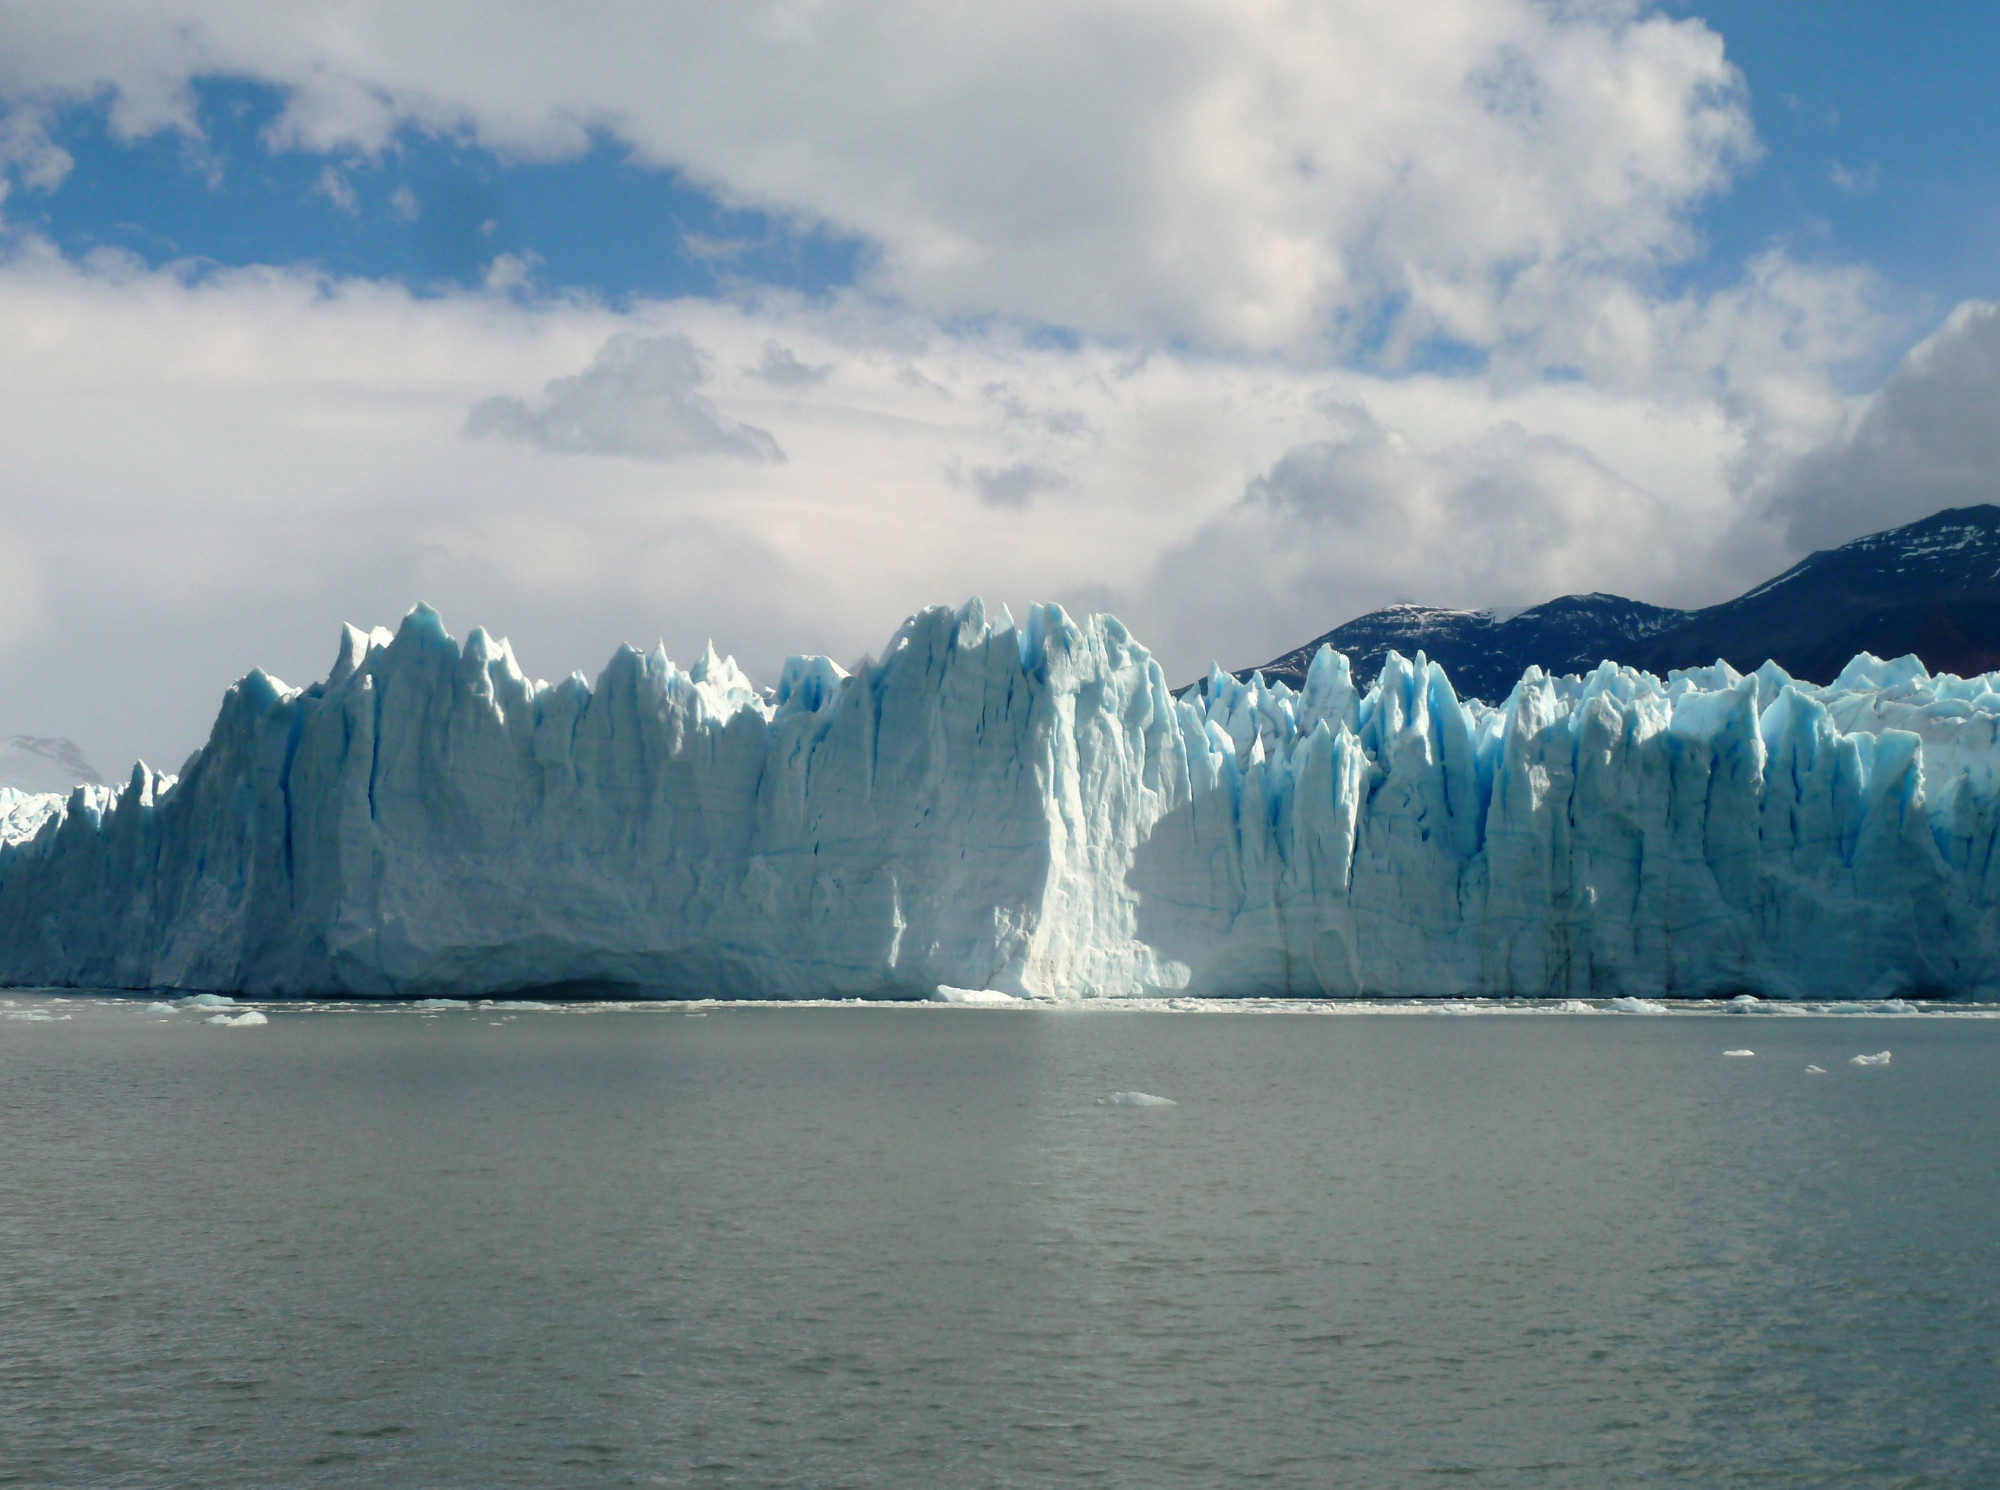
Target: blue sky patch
{"type": "Point", "coordinates": [1879, 125]}
{"type": "Point", "coordinates": [431, 213]}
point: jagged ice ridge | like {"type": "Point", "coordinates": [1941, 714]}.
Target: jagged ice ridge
{"type": "Point", "coordinates": [1028, 810]}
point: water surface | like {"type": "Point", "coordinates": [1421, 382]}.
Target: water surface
{"type": "Point", "coordinates": [916, 1247]}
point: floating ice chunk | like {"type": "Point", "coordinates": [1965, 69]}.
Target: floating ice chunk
{"type": "Point", "coordinates": [1638, 1006]}
{"type": "Point", "coordinates": [1815, 1070]}
{"type": "Point", "coordinates": [1574, 1006]}
{"type": "Point", "coordinates": [237, 1021]}
{"type": "Point", "coordinates": [1744, 1003]}
{"type": "Point", "coordinates": [31, 1016]}
{"type": "Point", "coordinates": [441, 1004]}
{"type": "Point", "coordinates": [159, 1008]}
{"type": "Point", "coordinates": [1739, 1053]}
{"type": "Point", "coordinates": [206, 1001]}
{"type": "Point", "coordinates": [514, 1004]}
{"type": "Point", "coordinates": [946, 994]}
{"type": "Point", "coordinates": [1879, 1058]}
{"type": "Point", "coordinates": [1135, 1099]}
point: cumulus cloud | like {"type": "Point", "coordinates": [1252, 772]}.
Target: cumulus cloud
{"type": "Point", "coordinates": [332, 183]}
{"type": "Point", "coordinates": [1247, 222]}
{"type": "Point", "coordinates": [176, 441]}
{"type": "Point", "coordinates": [17, 591]}
{"type": "Point", "coordinates": [1228, 175]}
{"type": "Point", "coordinates": [781, 368]}
{"type": "Point", "coordinates": [1365, 516]}
{"type": "Point", "coordinates": [1026, 420]}
{"type": "Point", "coordinates": [1018, 484]}
{"type": "Point", "coordinates": [637, 397]}
{"type": "Point", "coordinates": [27, 154]}
{"type": "Point", "coordinates": [1928, 439]}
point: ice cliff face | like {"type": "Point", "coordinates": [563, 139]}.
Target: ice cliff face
{"type": "Point", "coordinates": [1028, 810]}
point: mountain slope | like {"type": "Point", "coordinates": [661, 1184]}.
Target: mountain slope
{"type": "Point", "coordinates": [33, 763]}
{"type": "Point", "coordinates": [1931, 587]}
{"type": "Point", "coordinates": [1484, 654]}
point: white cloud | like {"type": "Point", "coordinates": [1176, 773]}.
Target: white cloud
{"type": "Point", "coordinates": [207, 473]}
{"type": "Point", "coordinates": [1856, 181]}
{"type": "Point", "coordinates": [1018, 484]}
{"type": "Point", "coordinates": [1252, 175]}
{"type": "Point", "coordinates": [27, 154]}
{"type": "Point", "coordinates": [782, 369]}
{"type": "Point", "coordinates": [1928, 439]}
{"type": "Point", "coordinates": [1226, 202]}
{"type": "Point", "coordinates": [332, 183]}
{"type": "Point", "coordinates": [636, 398]}
{"type": "Point", "coordinates": [18, 591]}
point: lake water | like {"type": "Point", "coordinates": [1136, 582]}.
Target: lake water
{"type": "Point", "coordinates": [918, 1247]}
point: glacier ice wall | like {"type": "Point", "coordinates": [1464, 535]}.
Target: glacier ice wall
{"type": "Point", "coordinates": [1028, 809]}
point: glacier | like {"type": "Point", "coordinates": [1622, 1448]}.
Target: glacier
{"type": "Point", "coordinates": [1028, 810]}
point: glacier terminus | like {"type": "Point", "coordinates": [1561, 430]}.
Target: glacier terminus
{"type": "Point", "coordinates": [1028, 810]}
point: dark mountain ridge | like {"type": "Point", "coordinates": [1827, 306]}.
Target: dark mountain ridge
{"type": "Point", "coordinates": [1931, 588]}
{"type": "Point", "coordinates": [1484, 654]}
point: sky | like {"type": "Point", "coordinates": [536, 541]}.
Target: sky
{"type": "Point", "coordinates": [771, 322]}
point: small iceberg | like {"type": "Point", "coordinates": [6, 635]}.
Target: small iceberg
{"type": "Point", "coordinates": [1740, 1054]}
{"type": "Point", "coordinates": [946, 994]}
{"type": "Point", "coordinates": [1136, 1099]}
{"type": "Point", "coordinates": [441, 1004]}
{"type": "Point", "coordinates": [1879, 1058]}
{"type": "Point", "coordinates": [1815, 1070]}
{"type": "Point", "coordinates": [159, 1008]}
{"type": "Point", "coordinates": [1630, 1005]}
{"type": "Point", "coordinates": [206, 1001]}
{"type": "Point", "coordinates": [238, 1021]}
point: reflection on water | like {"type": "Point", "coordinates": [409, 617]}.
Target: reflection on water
{"type": "Point", "coordinates": [522, 1246]}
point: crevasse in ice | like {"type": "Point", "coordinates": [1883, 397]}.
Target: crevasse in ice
{"type": "Point", "coordinates": [1028, 809]}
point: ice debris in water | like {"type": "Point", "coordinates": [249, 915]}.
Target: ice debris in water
{"type": "Point", "coordinates": [247, 1017]}
{"type": "Point", "coordinates": [1029, 809]}
{"type": "Point", "coordinates": [441, 1004]}
{"type": "Point", "coordinates": [1815, 1070]}
{"type": "Point", "coordinates": [1638, 1006]}
{"type": "Point", "coordinates": [1739, 1053]}
{"type": "Point", "coordinates": [156, 1007]}
{"type": "Point", "coordinates": [1574, 1006]}
{"type": "Point", "coordinates": [206, 1001]}
{"type": "Point", "coordinates": [1879, 1058]}
{"type": "Point", "coordinates": [1136, 1099]}
{"type": "Point", "coordinates": [946, 994]}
